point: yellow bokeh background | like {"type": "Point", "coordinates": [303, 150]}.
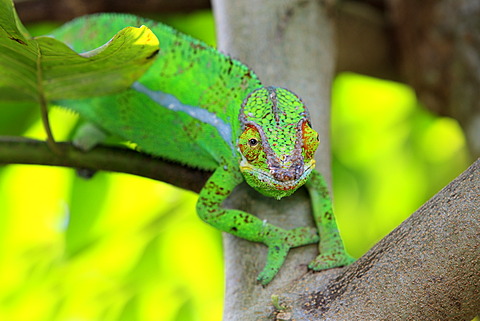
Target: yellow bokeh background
{"type": "Point", "coordinates": [121, 248]}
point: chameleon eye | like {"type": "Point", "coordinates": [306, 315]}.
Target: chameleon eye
{"type": "Point", "coordinates": [253, 142]}
{"type": "Point", "coordinates": [249, 144]}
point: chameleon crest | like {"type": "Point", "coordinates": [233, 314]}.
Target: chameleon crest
{"type": "Point", "coordinates": [277, 144]}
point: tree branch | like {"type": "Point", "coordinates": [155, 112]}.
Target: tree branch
{"type": "Point", "coordinates": [288, 44]}
{"type": "Point", "coordinates": [428, 268]}
{"type": "Point", "coordinates": [18, 150]}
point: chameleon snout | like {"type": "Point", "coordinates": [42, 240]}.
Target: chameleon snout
{"type": "Point", "coordinates": [287, 172]}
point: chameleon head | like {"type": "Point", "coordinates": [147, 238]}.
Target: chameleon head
{"type": "Point", "coordinates": [277, 144]}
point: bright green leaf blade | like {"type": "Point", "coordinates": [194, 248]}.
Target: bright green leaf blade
{"type": "Point", "coordinates": [10, 23]}
{"type": "Point", "coordinates": [17, 58]}
{"type": "Point", "coordinates": [45, 67]}
{"type": "Point", "coordinates": [107, 69]}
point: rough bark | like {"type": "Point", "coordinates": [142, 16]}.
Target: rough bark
{"type": "Point", "coordinates": [428, 268]}
{"type": "Point", "coordinates": [288, 44]}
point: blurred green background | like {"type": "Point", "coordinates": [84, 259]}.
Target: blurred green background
{"type": "Point", "coordinates": [124, 248]}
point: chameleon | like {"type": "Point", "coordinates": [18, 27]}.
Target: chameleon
{"type": "Point", "coordinates": [206, 110]}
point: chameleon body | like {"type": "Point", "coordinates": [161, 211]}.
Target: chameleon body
{"type": "Point", "coordinates": [204, 109]}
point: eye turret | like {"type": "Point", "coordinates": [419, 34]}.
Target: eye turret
{"type": "Point", "coordinates": [250, 145]}
{"type": "Point", "coordinates": [310, 141]}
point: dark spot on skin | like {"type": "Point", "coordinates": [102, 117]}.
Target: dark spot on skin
{"type": "Point", "coordinates": [328, 215]}
{"type": "Point", "coordinates": [154, 54]}
{"type": "Point", "coordinates": [197, 46]}
{"type": "Point", "coordinates": [230, 67]}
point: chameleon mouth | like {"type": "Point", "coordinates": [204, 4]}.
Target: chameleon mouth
{"type": "Point", "coordinates": [283, 185]}
{"type": "Point", "coordinates": [269, 184]}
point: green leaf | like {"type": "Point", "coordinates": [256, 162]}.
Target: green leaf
{"type": "Point", "coordinates": [34, 69]}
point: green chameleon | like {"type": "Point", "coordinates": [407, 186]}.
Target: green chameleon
{"type": "Point", "coordinates": [206, 110]}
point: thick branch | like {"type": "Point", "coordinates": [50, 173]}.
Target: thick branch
{"type": "Point", "coordinates": [288, 44]}
{"type": "Point", "coordinates": [428, 268]}
{"type": "Point", "coordinates": [16, 150]}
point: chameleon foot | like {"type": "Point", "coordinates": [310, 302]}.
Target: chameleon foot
{"type": "Point", "coordinates": [275, 258]}
{"type": "Point", "coordinates": [331, 259]}
{"type": "Point", "coordinates": [279, 247]}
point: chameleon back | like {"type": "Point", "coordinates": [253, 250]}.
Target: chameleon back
{"type": "Point", "coordinates": [184, 108]}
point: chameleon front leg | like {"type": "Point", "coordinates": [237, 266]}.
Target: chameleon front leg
{"type": "Point", "coordinates": [247, 226]}
{"type": "Point", "coordinates": [332, 252]}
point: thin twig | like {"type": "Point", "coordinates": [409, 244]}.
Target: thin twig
{"type": "Point", "coordinates": [20, 150]}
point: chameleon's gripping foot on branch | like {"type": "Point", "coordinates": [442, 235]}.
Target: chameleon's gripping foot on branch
{"type": "Point", "coordinates": [331, 259]}
{"type": "Point", "coordinates": [279, 246]}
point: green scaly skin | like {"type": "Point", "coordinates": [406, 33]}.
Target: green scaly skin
{"type": "Point", "coordinates": [331, 249]}
{"type": "Point", "coordinates": [206, 110]}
